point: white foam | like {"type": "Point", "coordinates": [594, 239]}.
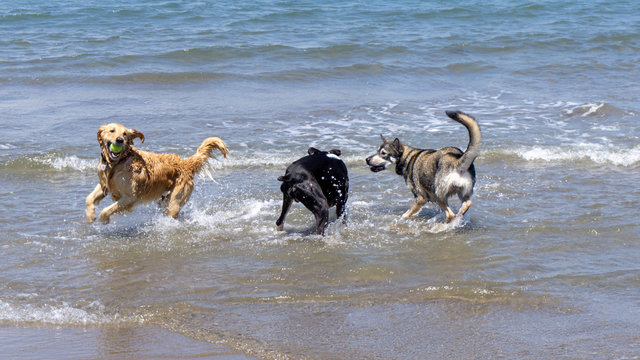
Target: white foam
{"type": "Point", "coordinates": [282, 160]}
{"type": "Point", "coordinates": [275, 160]}
{"type": "Point", "coordinates": [7, 146]}
{"type": "Point", "coordinates": [593, 108]}
{"type": "Point", "coordinates": [434, 225]}
{"type": "Point", "coordinates": [597, 153]}
{"type": "Point", "coordinates": [70, 162]}
{"type": "Point", "coordinates": [254, 208]}
{"type": "Point", "coordinates": [63, 314]}
{"type": "Point", "coordinates": [584, 109]}
{"type": "Point", "coordinates": [249, 209]}
{"type": "Point", "coordinates": [437, 226]}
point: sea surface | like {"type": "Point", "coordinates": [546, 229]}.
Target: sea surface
{"type": "Point", "coordinates": [545, 265]}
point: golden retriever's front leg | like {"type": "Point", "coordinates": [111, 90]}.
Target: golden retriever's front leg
{"type": "Point", "coordinates": [92, 200]}
{"type": "Point", "coordinates": [125, 203]}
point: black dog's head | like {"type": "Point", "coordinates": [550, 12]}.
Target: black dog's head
{"type": "Point", "coordinates": [313, 151]}
{"type": "Point", "coordinates": [388, 153]}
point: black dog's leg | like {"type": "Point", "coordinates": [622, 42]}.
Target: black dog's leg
{"type": "Point", "coordinates": [320, 210]}
{"type": "Point", "coordinates": [286, 204]}
{"type": "Point", "coordinates": [311, 196]}
{"type": "Point", "coordinates": [342, 201]}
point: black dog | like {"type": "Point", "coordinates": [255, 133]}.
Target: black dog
{"type": "Point", "coordinates": [319, 181]}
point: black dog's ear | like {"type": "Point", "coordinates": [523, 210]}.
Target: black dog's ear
{"type": "Point", "coordinates": [335, 152]}
{"type": "Point", "coordinates": [313, 151]}
{"type": "Point", "coordinates": [397, 144]}
{"type": "Point", "coordinates": [285, 178]}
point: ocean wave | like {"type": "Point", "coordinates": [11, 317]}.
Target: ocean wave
{"type": "Point", "coordinates": [593, 109]}
{"type": "Point", "coordinates": [469, 67]}
{"type": "Point", "coordinates": [51, 161]}
{"type": "Point", "coordinates": [278, 160]}
{"type": "Point", "coordinates": [595, 153]}
{"type": "Point", "coordinates": [61, 314]}
{"type": "Point", "coordinates": [26, 15]}
{"type": "Point", "coordinates": [161, 77]}
{"type": "Point", "coordinates": [7, 146]}
{"type": "Point", "coordinates": [217, 53]}
{"type": "Point", "coordinates": [62, 163]}
{"type": "Point", "coordinates": [476, 294]}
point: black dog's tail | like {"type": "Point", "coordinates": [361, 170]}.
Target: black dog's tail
{"type": "Point", "coordinates": [475, 139]}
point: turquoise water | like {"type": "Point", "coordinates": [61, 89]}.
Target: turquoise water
{"type": "Point", "coordinates": [544, 265]}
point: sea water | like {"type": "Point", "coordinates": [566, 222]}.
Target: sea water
{"type": "Point", "coordinates": [544, 264]}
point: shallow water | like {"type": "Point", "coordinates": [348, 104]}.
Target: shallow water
{"type": "Point", "coordinates": [544, 265]}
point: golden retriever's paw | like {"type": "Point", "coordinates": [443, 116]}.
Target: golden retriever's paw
{"type": "Point", "coordinates": [104, 218]}
{"type": "Point", "coordinates": [91, 215]}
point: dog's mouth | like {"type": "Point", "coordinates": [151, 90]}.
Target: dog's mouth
{"type": "Point", "coordinates": [114, 151]}
{"type": "Point", "coordinates": [375, 167]}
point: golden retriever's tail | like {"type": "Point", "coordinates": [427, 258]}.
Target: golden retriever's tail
{"type": "Point", "coordinates": [197, 160]}
{"type": "Point", "coordinates": [475, 139]}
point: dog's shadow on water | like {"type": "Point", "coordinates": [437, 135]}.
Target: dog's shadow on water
{"type": "Point", "coordinates": [126, 232]}
{"type": "Point", "coordinates": [334, 229]}
{"type": "Point", "coordinates": [129, 227]}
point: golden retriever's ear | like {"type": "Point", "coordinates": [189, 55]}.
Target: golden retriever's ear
{"type": "Point", "coordinates": [136, 134]}
{"type": "Point", "coordinates": [100, 130]}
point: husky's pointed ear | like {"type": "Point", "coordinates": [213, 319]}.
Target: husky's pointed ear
{"type": "Point", "coordinates": [384, 139]}
{"type": "Point", "coordinates": [397, 144]}
{"type": "Point", "coordinates": [100, 130]}
{"type": "Point", "coordinates": [136, 134]}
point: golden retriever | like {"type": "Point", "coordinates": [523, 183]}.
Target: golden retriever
{"type": "Point", "coordinates": [132, 176]}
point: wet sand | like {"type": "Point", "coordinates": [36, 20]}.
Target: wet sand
{"type": "Point", "coordinates": [114, 343]}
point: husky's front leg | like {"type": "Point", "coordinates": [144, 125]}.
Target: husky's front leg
{"type": "Point", "coordinates": [415, 208]}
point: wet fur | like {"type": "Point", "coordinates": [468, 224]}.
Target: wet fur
{"type": "Point", "coordinates": [318, 181]}
{"type": "Point", "coordinates": [434, 175]}
{"type": "Point", "coordinates": [139, 176]}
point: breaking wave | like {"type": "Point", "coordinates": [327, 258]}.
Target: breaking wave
{"type": "Point", "coordinates": [595, 153]}
{"type": "Point", "coordinates": [62, 314]}
{"type": "Point", "coordinates": [75, 163]}
{"type": "Point", "coordinates": [51, 162]}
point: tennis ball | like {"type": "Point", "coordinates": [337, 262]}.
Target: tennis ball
{"type": "Point", "coordinates": [115, 148]}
